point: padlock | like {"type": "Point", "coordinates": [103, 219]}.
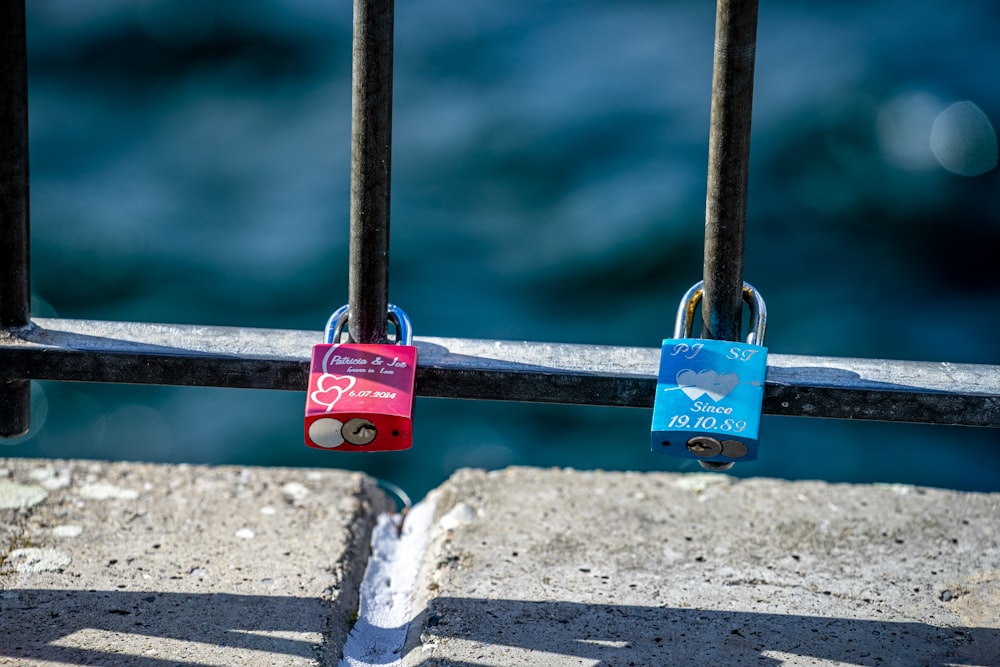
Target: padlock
{"type": "Point", "coordinates": [360, 397]}
{"type": "Point", "coordinates": [709, 392]}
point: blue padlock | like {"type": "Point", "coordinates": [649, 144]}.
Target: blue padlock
{"type": "Point", "coordinates": [709, 392]}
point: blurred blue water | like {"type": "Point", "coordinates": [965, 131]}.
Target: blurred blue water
{"type": "Point", "coordinates": [190, 161]}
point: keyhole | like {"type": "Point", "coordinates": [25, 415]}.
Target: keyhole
{"type": "Point", "coordinates": [359, 431]}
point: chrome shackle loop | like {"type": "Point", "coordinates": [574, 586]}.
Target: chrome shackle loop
{"type": "Point", "coordinates": [753, 298]}
{"type": "Point", "coordinates": [338, 321]}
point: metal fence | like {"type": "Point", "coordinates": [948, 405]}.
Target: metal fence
{"type": "Point", "coordinates": [138, 353]}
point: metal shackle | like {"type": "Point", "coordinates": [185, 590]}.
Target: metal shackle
{"type": "Point", "coordinates": [690, 301]}
{"type": "Point", "coordinates": [338, 320]}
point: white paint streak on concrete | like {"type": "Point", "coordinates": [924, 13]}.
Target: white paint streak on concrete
{"type": "Point", "coordinates": [295, 491]}
{"type": "Point", "coordinates": [459, 515]}
{"type": "Point", "coordinates": [386, 590]}
{"type": "Point", "coordinates": [700, 481]}
{"type": "Point", "coordinates": [31, 560]}
{"type": "Point", "coordinates": [51, 478]}
{"type": "Point", "coordinates": [104, 491]}
{"type": "Point", "coordinates": [67, 530]}
{"type": "Point", "coordinates": [15, 496]}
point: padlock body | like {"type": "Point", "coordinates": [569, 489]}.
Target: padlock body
{"type": "Point", "coordinates": [370, 384]}
{"type": "Point", "coordinates": [712, 391]}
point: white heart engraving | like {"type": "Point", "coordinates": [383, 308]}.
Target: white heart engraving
{"type": "Point", "coordinates": [329, 389]}
{"type": "Point", "coordinates": [697, 384]}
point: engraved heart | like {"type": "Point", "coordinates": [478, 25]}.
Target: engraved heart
{"type": "Point", "coordinates": [329, 389]}
{"type": "Point", "coordinates": [697, 384]}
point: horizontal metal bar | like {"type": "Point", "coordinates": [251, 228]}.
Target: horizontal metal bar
{"type": "Point", "coordinates": [171, 354]}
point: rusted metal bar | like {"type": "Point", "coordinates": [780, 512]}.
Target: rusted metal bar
{"type": "Point", "coordinates": [15, 407]}
{"type": "Point", "coordinates": [728, 167]}
{"type": "Point", "coordinates": [173, 354]}
{"type": "Point", "coordinates": [371, 144]}
{"type": "Point", "coordinates": [15, 288]}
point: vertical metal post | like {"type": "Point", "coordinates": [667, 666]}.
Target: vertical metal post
{"type": "Point", "coordinates": [371, 143]}
{"type": "Point", "coordinates": [728, 167]}
{"type": "Point", "coordinates": [15, 291]}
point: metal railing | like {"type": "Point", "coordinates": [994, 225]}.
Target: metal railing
{"type": "Point", "coordinates": [169, 354]}
{"type": "Point", "coordinates": [173, 354]}
{"type": "Point", "coordinates": [15, 291]}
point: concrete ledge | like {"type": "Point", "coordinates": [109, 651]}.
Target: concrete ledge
{"type": "Point", "coordinates": [155, 565]}
{"type": "Point", "coordinates": [557, 567]}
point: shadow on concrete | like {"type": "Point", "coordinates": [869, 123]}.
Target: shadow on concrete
{"type": "Point", "coordinates": [129, 628]}
{"type": "Point", "coordinates": [622, 635]}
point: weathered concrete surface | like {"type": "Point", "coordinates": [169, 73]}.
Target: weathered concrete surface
{"type": "Point", "coordinates": [533, 567]}
{"type": "Point", "coordinates": [152, 565]}
{"type": "Point", "coordinates": [156, 566]}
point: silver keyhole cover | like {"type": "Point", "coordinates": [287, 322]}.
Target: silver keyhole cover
{"type": "Point", "coordinates": [327, 432]}
{"type": "Point", "coordinates": [359, 431]}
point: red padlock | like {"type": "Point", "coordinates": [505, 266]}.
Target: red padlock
{"type": "Point", "coordinates": [360, 397]}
